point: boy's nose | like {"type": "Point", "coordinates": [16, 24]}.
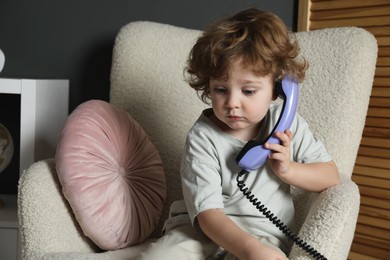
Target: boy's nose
{"type": "Point", "coordinates": [232, 101]}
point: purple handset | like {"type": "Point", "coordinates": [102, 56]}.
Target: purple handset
{"type": "Point", "coordinates": [253, 155]}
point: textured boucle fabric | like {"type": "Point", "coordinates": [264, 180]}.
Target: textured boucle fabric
{"type": "Point", "coordinates": [335, 95]}
{"type": "Point", "coordinates": [330, 222]}
{"type": "Point", "coordinates": [147, 81]}
{"type": "Point", "coordinates": [45, 218]}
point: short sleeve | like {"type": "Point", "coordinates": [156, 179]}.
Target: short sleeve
{"type": "Point", "coordinates": [200, 175]}
{"type": "Point", "coordinates": [306, 147]}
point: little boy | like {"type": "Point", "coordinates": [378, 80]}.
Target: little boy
{"type": "Point", "coordinates": [234, 66]}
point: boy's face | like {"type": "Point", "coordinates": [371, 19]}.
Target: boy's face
{"type": "Point", "coordinates": [241, 102]}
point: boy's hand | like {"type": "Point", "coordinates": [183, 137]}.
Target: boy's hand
{"type": "Point", "coordinates": [266, 253]}
{"type": "Point", "coordinates": [300, 174]}
{"type": "Point", "coordinates": [280, 157]}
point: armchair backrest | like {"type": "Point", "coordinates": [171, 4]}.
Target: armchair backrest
{"type": "Point", "coordinates": [336, 92]}
{"type": "Point", "coordinates": [147, 80]}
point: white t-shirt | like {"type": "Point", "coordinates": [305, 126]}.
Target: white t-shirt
{"type": "Point", "coordinates": [209, 172]}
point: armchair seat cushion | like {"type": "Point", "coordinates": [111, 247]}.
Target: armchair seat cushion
{"type": "Point", "coordinates": [111, 175]}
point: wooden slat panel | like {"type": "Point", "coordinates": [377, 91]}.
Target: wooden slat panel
{"type": "Point", "coordinates": [384, 51]}
{"type": "Point", "coordinates": [383, 61]}
{"type": "Point", "coordinates": [370, 171]}
{"type": "Point", "coordinates": [334, 5]}
{"type": "Point", "coordinates": [379, 30]}
{"type": "Point", "coordinates": [383, 41]}
{"type": "Point", "coordinates": [360, 256]}
{"type": "Point", "coordinates": [304, 14]}
{"type": "Point", "coordinates": [378, 112]}
{"type": "Point", "coordinates": [374, 241]}
{"type": "Point", "coordinates": [372, 181]}
{"type": "Point", "coordinates": [374, 222]}
{"type": "Point", "coordinates": [372, 231]}
{"type": "Point", "coordinates": [378, 132]}
{"type": "Point", "coordinates": [375, 121]}
{"type": "Point", "coordinates": [362, 22]}
{"type": "Point", "coordinates": [352, 12]}
{"type": "Point", "coordinates": [378, 152]}
{"type": "Point", "coordinates": [382, 81]}
{"type": "Point", "coordinates": [376, 142]}
{"type": "Point", "coordinates": [380, 92]}
{"type": "Point", "coordinates": [377, 213]}
{"type": "Point", "coordinates": [375, 202]}
{"type": "Point", "coordinates": [379, 102]}
{"type": "Point", "coordinates": [372, 168]}
{"type": "Point", "coordinates": [370, 250]}
{"type": "Point", "coordinates": [374, 192]}
{"type": "Point", "coordinates": [382, 71]}
{"type": "Point", "coordinates": [373, 161]}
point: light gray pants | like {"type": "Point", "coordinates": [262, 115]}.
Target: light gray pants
{"type": "Point", "coordinates": [182, 241]}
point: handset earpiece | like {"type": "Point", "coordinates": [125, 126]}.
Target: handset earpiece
{"type": "Point", "coordinates": [253, 155]}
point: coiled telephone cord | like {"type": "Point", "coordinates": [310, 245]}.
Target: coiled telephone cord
{"type": "Point", "coordinates": [275, 220]}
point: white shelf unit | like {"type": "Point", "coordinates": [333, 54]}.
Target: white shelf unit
{"type": "Point", "coordinates": [9, 230]}
{"type": "Point", "coordinates": [43, 111]}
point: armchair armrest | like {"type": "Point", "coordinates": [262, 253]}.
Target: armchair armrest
{"type": "Point", "coordinates": [48, 228]}
{"type": "Point", "coordinates": [330, 223]}
{"type": "Point", "coordinates": [46, 221]}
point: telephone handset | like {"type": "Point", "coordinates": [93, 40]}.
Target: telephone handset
{"type": "Point", "coordinates": [253, 155]}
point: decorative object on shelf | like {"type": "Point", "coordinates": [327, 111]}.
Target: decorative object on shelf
{"type": "Point", "coordinates": [6, 150]}
{"type": "Point", "coordinates": [6, 147]}
{"type": "Point", "coordinates": [2, 60]}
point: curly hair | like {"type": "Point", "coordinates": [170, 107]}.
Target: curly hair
{"type": "Point", "coordinates": [257, 37]}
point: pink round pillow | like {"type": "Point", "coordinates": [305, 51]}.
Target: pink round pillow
{"type": "Point", "coordinates": [111, 175]}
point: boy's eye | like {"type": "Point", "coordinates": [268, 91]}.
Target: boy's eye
{"type": "Point", "coordinates": [219, 90]}
{"type": "Point", "coordinates": [248, 92]}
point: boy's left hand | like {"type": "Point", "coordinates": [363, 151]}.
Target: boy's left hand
{"type": "Point", "coordinates": [280, 157]}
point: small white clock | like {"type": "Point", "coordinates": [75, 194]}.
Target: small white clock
{"type": "Point", "coordinates": [2, 60]}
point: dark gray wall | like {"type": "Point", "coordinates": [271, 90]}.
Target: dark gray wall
{"type": "Point", "coordinates": [74, 39]}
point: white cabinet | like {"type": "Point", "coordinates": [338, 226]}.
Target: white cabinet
{"type": "Point", "coordinates": [43, 111]}
{"type": "Point", "coordinates": [9, 235]}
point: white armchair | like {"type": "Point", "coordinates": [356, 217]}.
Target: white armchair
{"type": "Point", "coordinates": [147, 81]}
